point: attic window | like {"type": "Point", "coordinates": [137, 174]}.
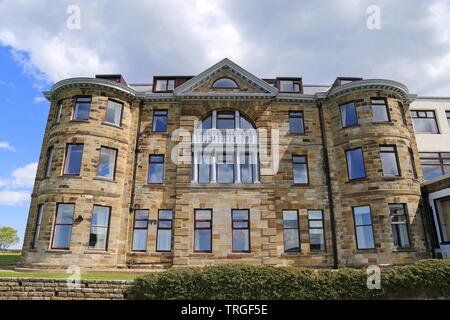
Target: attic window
{"type": "Point", "coordinates": [164, 85]}
{"type": "Point", "coordinates": [291, 85]}
{"type": "Point", "coordinates": [225, 83]}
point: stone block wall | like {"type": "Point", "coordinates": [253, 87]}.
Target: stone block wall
{"type": "Point", "coordinates": [57, 289]}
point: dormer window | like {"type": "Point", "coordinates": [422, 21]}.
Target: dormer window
{"type": "Point", "coordinates": [225, 83]}
{"type": "Point", "coordinates": [290, 85]}
{"type": "Point", "coordinates": [164, 85]}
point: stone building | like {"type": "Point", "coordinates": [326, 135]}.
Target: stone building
{"type": "Point", "coordinates": [225, 167]}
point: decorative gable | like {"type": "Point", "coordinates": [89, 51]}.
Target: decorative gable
{"type": "Point", "coordinates": [247, 82]}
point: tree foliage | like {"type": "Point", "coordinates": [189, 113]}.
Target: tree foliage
{"type": "Point", "coordinates": [8, 237]}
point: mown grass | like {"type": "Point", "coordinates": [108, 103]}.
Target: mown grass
{"type": "Point", "coordinates": [9, 258]}
{"type": "Point", "coordinates": [66, 275]}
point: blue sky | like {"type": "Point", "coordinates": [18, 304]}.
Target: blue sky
{"type": "Point", "coordinates": [317, 40]}
{"type": "Point", "coordinates": [21, 131]}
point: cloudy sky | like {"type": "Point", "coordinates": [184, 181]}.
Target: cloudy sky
{"type": "Point", "coordinates": [40, 43]}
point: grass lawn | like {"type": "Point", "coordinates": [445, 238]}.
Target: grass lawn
{"type": "Point", "coordinates": [66, 275]}
{"type": "Point", "coordinates": [9, 258]}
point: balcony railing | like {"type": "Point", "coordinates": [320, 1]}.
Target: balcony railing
{"type": "Point", "coordinates": [216, 136]}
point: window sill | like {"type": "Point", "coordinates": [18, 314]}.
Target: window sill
{"type": "Point", "coordinates": [69, 176]}
{"type": "Point", "coordinates": [365, 251]}
{"type": "Point", "coordinates": [112, 125]}
{"type": "Point", "coordinates": [404, 250]}
{"type": "Point", "coordinates": [358, 180]}
{"type": "Point", "coordinates": [59, 251]}
{"type": "Point", "coordinates": [76, 120]}
{"type": "Point", "coordinates": [351, 126]}
{"type": "Point", "coordinates": [93, 251]}
{"type": "Point", "coordinates": [105, 179]}
{"type": "Point", "coordinates": [298, 134]}
{"type": "Point", "coordinates": [300, 185]}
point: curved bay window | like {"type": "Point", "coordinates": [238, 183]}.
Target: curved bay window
{"type": "Point", "coordinates": [225, 149]}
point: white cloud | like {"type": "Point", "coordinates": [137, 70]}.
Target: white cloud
{"type": "Point", "coordinates": [39, 99]}
{"type": "Point", "coordinates": [16, 190]}
{"type": "Point", "coordinates": [6, 145]}
{"type": "Point", "coordinates": [14, 198]}
{"type": "Point", "coordinates": [318, 40]}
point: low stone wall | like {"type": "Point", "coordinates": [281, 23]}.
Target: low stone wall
{"type": "Point", "coordinates": [58, 289]}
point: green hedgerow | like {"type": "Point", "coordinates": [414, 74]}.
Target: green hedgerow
{"type": "Point", "coordinates": [426, 278]}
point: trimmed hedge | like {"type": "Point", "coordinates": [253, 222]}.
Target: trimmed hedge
{"type": "Point", "coordinates": [425, 279]}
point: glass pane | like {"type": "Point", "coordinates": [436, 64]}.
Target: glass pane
{"type": "Point", "coordinates": [447, 169]}
{"type": "Point", "coordinates": [296, 125]}
{"type": "Point", "coordinates": [82, 108]}
{"type": "Point", "coordinates": [316, 239]}
{"type": "Point", "coordinates": [241, 240]}
{"type": "Point", "coordinates": [400, 235]}
{"type": "Point", "coordinates": [203, 224]}
{"type": "Point", "coordinates": [240, 214]}
{"type": "Point", "coordinates": [140, 240]}
{"type": "Point", "coordinates": [165, 214]}
{"type": "Point", "coordinates": [287, 85]}
{"type": "Point", "coordinates": [225, 83]}
{"type": "Point", "coordinates": [170, 85]}
{"type": "Point", "coordinates": [73, 160]}
{"type": "Point", "coordinates": [364, 237]}
{"type": "Point", "coordinates": [315, 224]}
{"type": "Point", "coordinates": [107, 163]}
{"type": "Point", "coordinates": [203, 215]}
{"type": "Point", "coordinates": [431, 172]}
{"type": "Point", "coordinates": [315, 214]}
{"type": "Point", "coordinates": [355, 164]}
{"type": "Point", "coordinates": [165, 224]}
{"type": "Point", "coordinates": [240, 224]}
{"type": "Point", "coordinates": [49, 162]}
{"type": "Point", "coordinates": [225, 173]}
{"type": "Point", "coordinates": [159, 123]}
{"type": "Point", "coordinates": [443, 211]}
{"type": "Point", "coordinates": [362, 215]}
{"type": "Point", "coordinates": [245, 124]}
{"type": "Point", "coordinates": [202, 240]}
{"type": "Point", "coordinates": [299, 159]}
{"type": "Point", "coordinates": [156, 172]}
{"type": "Point", "coordinates": [247, 172]}
{"type": "Point", "coordinates": [425, 125]}
{"type": "Point", "coordinates": [164, 242]}
{"type": "Point", "coordinates": [65, 213]}
{"type": "Point", "coordinates": [61, 238]}
{"type": "Point", "coordinates": [161, 85]}
{"type": "Point", "coordinates": [389, 164]}
{"type": "Point", "coordinates": [207, 123]}
{"type": "Point", "coordinates": [141, 214]}
{"type": "Point", "coordinates": [290, 219]}
{"type": "Point", "coordinates": [380, 113]}
{"type": "Point", "coordinates": [113, 112]}
{"type": "Point", "coordinates": [224, 124]}
{"type": "Point", "coordinates": [140, 224]}
{"type": "Point", "coordinates": [291, 240]}
{"type": "Point", "coordinates": [300, 173]}
{"type": "Point", "coordinates": [397, 209]}
{"type": "Point", "coordinates": [204, 168]}
{"type": "Point", "coordinates": [100, 216]}
{"type": "Point", "coordinates": [157, 159]}
{"type": "Point", "coordinates": [348, 115]}
{"type": "Point", "coordinates": [98, 238]}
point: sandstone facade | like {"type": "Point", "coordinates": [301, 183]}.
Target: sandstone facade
{"type": "Point", "coordinates": [323, 142]}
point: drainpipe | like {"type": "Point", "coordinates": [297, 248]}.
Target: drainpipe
{"type": "Point", "coordinates": [326, 166]}
{"type": "Point", "coordinates": [136, 151]}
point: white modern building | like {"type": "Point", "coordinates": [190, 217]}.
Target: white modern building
{"type": "Point", "coordinates": [431, 119]}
